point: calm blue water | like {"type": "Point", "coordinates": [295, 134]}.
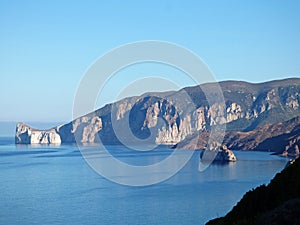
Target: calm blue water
{"type": "Point", "coordinates": [54, 185]}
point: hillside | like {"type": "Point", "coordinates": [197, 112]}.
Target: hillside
{"type": "Point", "coordinates": [282, 138]}
{"type": "Point", "coordinates": [278, 203]}
{"type": "Point", "coordinates": [171, 117]}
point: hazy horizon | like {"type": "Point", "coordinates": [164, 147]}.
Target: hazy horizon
{"type": "Point", "coordinates": [47, 47]}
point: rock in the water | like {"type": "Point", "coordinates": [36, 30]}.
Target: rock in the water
{"type": "Point", "coordinates": [224, 154]}
{"type": "Point", "coordinates": [28, 135]}
{"type": "Point", "coordinates": [219, 152]}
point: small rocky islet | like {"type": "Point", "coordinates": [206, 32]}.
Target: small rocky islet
{"type": "Point", "coordinates": [216, 152]}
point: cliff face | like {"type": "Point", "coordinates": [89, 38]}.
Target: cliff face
{"type": "Point", "coordinates": [28, 135]}
{"type": "Point", "coordinates": [168, 118]}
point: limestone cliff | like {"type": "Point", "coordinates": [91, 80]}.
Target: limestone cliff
{"type": "Point", "coordinates": [171, 117]}
{"type": "Point", "coordinates": [28, 135]}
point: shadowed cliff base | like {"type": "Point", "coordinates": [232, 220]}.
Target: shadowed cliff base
{"type": "Point", "coordinates": [282, 138]}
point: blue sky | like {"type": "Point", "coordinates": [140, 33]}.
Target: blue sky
{"type": "Point", "coordinates": [46, 46]}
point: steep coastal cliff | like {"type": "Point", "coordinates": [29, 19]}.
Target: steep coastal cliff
{"type": "Point", "coordinates": [169, 118]}
{"type": "Point", "coordinates": [28, 135]}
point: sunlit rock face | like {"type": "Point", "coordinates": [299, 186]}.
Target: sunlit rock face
{"type": "Point", "coordinates": [171, 117]}
{"type": "Point", "coordinates": [216, 152]}
{"type": "Point", "coordinates": [28, 135]}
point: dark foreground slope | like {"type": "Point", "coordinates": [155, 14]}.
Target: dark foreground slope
{"type": "Point", "coordinates": [278, 203]}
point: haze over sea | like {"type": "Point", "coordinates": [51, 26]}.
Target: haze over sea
{"type": "Point", "coordinates": [54, 185]}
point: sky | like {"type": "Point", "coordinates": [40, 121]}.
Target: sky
{"type": "Point", "coordinates": [47, 46]}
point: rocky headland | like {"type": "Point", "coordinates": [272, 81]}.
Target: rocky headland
{"type": "Point", "coordinates": [254, 116]}
{"type": "Point", "coordinates": [28, 135]}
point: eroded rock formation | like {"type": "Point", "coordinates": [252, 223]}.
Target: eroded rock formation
{"type": "Point", "coordinates": [220, 153]}
{"type": "Point", "coordinates": [28, 135]}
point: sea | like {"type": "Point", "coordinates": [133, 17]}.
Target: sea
{"type": "Point", "coordinates": [43, 184]}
